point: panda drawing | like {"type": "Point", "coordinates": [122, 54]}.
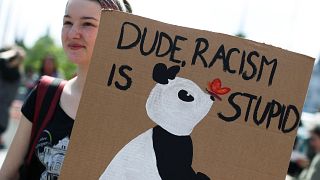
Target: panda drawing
{"type": "Point", "coordinates": [165, 151]}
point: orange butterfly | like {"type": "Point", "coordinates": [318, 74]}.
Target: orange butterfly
{"type": "Point", "coordinates": [215, 89]}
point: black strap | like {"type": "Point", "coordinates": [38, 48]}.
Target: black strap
{"type": "Point", "coordinates": [46, 104]}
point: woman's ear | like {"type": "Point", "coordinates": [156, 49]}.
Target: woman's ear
{"type": "Point", "coordinates": [162, 74]}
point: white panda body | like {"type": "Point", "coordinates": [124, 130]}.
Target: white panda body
{"type": "Point", "coordinates": [136, 160]}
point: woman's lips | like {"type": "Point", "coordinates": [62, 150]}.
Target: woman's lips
{"type": "Point", "coordinates": [75, 46]}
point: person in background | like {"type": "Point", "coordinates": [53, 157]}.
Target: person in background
{"type": "Point", "coordinates": [80, 28]}
{"type": "Point", "coordinates": [10, 63]}
{"type": "Point", "coordinates": [312, 172]}
{"type": "Point", "coordinates": [29, 79]}
{"type": "Point", "coordinates": [49, 66]}
{"type": "Point", "coordinates": [302, 152]}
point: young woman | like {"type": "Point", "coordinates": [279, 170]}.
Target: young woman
{"type": "Point", "coordinates": [80, 28]}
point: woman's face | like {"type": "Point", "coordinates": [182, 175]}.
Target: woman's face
{"type": "Point", "coordinates": [48, 66]}
{"type": "Point", "coordinates": [80, 28]}
{"type": "Point", "coordinates": [315, 142]}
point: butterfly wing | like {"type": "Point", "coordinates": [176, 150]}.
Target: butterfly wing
{"type": "Point", "coordinates": [223, 91]}
{"type": "Point", "coordinates": [216, 87]}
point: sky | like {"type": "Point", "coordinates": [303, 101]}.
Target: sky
{"type": "Point", "coordinates": [289, 24]}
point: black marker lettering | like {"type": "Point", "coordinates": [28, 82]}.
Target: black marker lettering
{"type": "Point", "coordinates": [134, 43]}
{"type": "Point", "coordinates": [273, 113]}
{"type": "Point", "coordinates": [221, 54]}
{"type": "Point", "coordinates": [295, 125]}
{"type": "Point", "coordinates": [235, 106]}
{"type": "Point", "coordinates": [253, 66]}
{"type": "Point", "coordinates": [198, 53]}
{"type": "Point", "coordinates": [142, 44]}
{"type": "Point", "coordinates": [176, 48]}
{"type": "Point", "coordinates": [227, 63]}
{"type": "Point", "coordinates": [169, 40]}
{"type": "Point", "coordinates": [251, 98]}
{"type": "Point", "coordinates": [273, 71]}
{"type": "Point", "coordinates": [126, 77]}
{"type": "Point", "coordinates": [243, 60]}
{"type": "Point", "coordinates": [256, 111]}
{"type": "Point", "coordinates": [110, 79]}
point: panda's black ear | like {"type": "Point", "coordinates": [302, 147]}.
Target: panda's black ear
{"type": "Point", "coordinates": [162, 74]}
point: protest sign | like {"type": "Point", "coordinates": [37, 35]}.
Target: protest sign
{"type": "Point", "coordinates": [169, 102]}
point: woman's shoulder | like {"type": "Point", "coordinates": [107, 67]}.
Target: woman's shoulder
{"type": "Point", "coordinates": [39, 90]}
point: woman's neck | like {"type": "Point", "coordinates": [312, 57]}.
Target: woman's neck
{"type": "Point", "coordinates": [79, 80]}
{"type": "Point", "coordinates": [72, 92]}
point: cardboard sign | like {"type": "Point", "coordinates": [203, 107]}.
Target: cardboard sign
{"type": "Point", "coordinates": [168, 102]}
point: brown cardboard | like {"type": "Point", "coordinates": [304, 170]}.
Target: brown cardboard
{"type": "Point", "coordinates": [108, 118]}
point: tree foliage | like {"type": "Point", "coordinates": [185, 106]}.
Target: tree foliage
{"type": "Point", "coordinates": [241, 34]}
{"type": "Point", "coordinates": [44, 46]}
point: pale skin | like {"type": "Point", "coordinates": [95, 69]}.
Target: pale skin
{"type": "Point", "coordinates": [79, 31]}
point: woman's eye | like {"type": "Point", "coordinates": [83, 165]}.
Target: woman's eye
{"type": "Point", "coordinates": [88, 24]}
{"type": "Point", "coordinates": [67, 23]}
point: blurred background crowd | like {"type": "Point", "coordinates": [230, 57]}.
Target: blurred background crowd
{"type": "Point", "coordinates": [30, 48]}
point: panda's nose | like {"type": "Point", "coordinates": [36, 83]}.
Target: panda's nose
{"type": "Point", "coordinates": [185, 96]}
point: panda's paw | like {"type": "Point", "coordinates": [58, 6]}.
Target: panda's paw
{"type": "Point", "coordinates": [201, 176]}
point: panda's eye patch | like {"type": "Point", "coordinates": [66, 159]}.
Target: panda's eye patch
{"type": "Point", "coordinates": [185, 96]}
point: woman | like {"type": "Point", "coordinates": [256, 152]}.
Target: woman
{"type": "Point", "coordinates": [313, 171]}
{"type": "Point", "coordinates": [80, 28]}
{"type": "Point", "coordinates": [49, 66]}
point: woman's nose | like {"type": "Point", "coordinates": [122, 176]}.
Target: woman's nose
{"type": "Point", "coordinates": [74, 32]}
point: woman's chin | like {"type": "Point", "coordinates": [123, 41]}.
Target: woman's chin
{"type": "Point", "coordinates": [76, 59]}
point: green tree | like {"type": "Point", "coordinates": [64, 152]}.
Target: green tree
{"type": "Point", "coordinates": [43, 46]}
{"type": "Point", "coordinates": [241, 34]}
